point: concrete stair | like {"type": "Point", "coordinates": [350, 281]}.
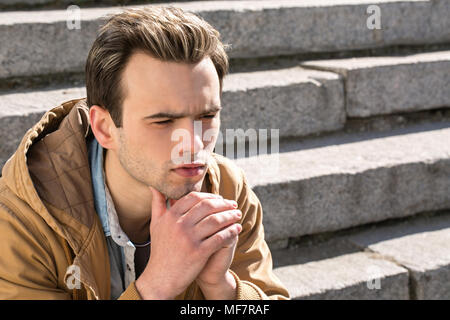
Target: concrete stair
{"type": "Point", "coordinates": [40, 42]}
{"type": "Point", "coordinates": [321, 101]}
{"type": "Point", "coordinates": [363, 116]}
{"type": "Point", "coordinates": [409, 83]}
{"type": "Point", "coordinates": [406, 259]}
{"type": "Point", "coordinates": [344, 182]}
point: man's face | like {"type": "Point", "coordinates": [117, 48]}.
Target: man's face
{"type": "Point", "coordinates": [162, 101]}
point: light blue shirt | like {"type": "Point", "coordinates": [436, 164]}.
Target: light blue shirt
{"type": "Point", "coordinates": [121, 250]}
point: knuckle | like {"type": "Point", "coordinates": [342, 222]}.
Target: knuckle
{"type": "Point", "coordinates": [207, 204]}
{"type": "Point", "coordinates": [217, 220]}
{"type": "Point", "coordinates": [181, 221]}
{"type": "Point", "coordinates": [228, 234]}
{"type": "Point", "coordinates": [180, 224]}
{"type": "Point", "coordinates": [234, 231]}
{"type": "Point", "coordinates": [182, 230]}
{"type": "Point", "coordinates": [195, 195]}
{"type": "Point", "coordinates": [205, 248]}
{"type": "Point", "coordinates": [203, 195]}
{"type": "Point", "coordinates": [194, 248]}
{"type": "Point", "coordinates": [220, 238]}
{"type": "Point", "coordinates": [190, 243]}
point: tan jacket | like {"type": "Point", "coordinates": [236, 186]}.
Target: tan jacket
{"type": "Point", "coordinates": [48, 222]}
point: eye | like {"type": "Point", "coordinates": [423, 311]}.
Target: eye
{"type": "Point", "coordinates": [163, 122]}
{"type": "Point", "coordinates": [209, 116]}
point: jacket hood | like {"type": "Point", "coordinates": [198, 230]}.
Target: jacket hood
{"type": "Point", "coordinates": [52, 176]}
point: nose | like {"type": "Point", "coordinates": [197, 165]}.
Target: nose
{"type": "Point", "coordinates": [195, 134]}
{"type": "Point", "coordinates": [192, 144]}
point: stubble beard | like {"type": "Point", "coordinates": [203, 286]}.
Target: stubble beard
{"type": "Point", "coordinates": [147, 173]}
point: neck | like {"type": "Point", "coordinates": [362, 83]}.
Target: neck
{"type": "Point", "coordinates": [133, 207]}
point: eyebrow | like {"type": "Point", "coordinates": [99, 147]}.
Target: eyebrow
{"type": "Point", "coordinates": [175, 116]}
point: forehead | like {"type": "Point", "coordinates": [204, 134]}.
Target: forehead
{"type": "Point", "coordinates": [150, 84]}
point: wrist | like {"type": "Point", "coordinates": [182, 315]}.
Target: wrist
{"type": "Point", "coordinates": [151, 291]}
{"type": "Point", "coordinates": [223, 289]}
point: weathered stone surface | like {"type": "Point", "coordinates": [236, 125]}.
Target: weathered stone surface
{"type": "Point", "coordinates": [28, 2]}
{"type": "Point", "coordinates": [344, 183]}
{"type": "Point", "coordinates": [419, 245]}
{"type": "Point", "coordinates": [295, 101]}
{"type": "Point", "coordinates": [338, 270]}
{"type": "Point", "coordinates": [387, 85]}
{"type": "Point", "coordinates": [63, 3]}
{"type": "Point", "coordinates": [41, 42]}
{"type": "Point", "coordinates": [278, 245]}
{"type": "Point", "coordinates": [439, 19]}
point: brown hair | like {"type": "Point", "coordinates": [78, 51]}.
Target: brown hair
{"type": "Point", "coordinates": [166, 33]}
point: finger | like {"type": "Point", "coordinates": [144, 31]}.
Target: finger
{"type": "Point", "coordinates": [222, 238]}
{"type": "Point", "coordinates": [188, 201]}
{"type": "Point", "coordinates": [172, 202]}
{"type": "Point", "coordinates": [158, 204]}
{"type": "Point", "coordinates": [207, 207]}
{"type": "Point", "coordinates": [215, 222]}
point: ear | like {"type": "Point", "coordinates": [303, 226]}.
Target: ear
{"type": "Point", "coordinates": [102, 126]}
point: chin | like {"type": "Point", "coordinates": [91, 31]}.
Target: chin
{"type": "Point", "coordinates": [182, 190]}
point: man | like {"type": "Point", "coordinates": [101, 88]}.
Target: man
{"type": "Point", "coordinates": [102, 200]}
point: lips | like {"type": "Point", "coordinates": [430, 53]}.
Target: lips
{"type": "Point", "coordinates": [191, 165]}
{"type": "Point", "coordinates": [190, 170]}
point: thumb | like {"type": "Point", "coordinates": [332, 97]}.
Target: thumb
{"type": "Point", "coordinates": [158, 204]}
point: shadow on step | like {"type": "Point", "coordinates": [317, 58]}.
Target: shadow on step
{"type": "Point", "coordinates": [339, 138]}
{"type": "Point", "coordinates": [359, 238]}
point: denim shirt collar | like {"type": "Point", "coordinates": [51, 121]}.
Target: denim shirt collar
{"type": "Point", "coordinates": [95, 155]}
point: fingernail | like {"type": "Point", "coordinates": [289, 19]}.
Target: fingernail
{"type": "Point", "coordinates": [232, 202]}
{"type": "Point", "coordinates": [239, 213]}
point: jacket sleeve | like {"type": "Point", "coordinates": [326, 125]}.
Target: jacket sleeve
{"type": "Point", "coordinates": [252, 264]}
{"type": "Point", "coordinates": [27, 270]}
{"type": "Point", "coordinates": [130, 293]}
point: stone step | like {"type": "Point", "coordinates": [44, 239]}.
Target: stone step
{"type": "Point", "coordinates": [48, 42]}
{"type": "Point", "coordinates": [7, 3]}
{"type": "Point", "coordinates": [387, 85]}
{"type": "Point", "coordinates": [344, 181]}
{"type": "Point", "coordinates": [409, 259]}
{"type": "Point", "coordinates": [259, 100]}
{"type": "Point", "coordinates": [296, 101]}
{"type": "Point", "coordinates": [63, 4]}
{"type": "Point", "coordinates": [339, 270]}
{"type": "Point", "coordinates": [422, 247]}
{"type": "Point", "coordinates": [368, 185]}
